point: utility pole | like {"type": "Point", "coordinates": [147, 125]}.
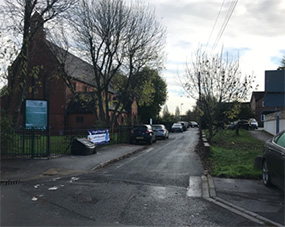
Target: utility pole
{"type": "Point", "coordinates": [200, 120]}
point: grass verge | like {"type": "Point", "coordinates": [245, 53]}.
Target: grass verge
{"type": "Point", "coordinates": [233, 156]}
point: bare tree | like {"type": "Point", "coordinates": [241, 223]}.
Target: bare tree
{"type": "Point", "coordinates": [214, 80]}
{"type": "Point", "coordinates": [23, 19]}
{"type": "Point", "coordinates": [117, 38]}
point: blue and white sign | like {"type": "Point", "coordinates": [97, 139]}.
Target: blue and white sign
{"type": "Point", "coordinates": [98, 136]}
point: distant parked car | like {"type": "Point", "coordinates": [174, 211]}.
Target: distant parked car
{"type": "Point", "coordinates": [160, 131]}
{"type": "Point", "coordinates": [193, 124]}
{"type": "Point", "coordinates": [177, 127]}
{"type": "Point", "coordinates": [184, 125]}
{"type": "Point", "coordinates": [241, 124]}
{"type": "Point", "coordinates": [142, 133]}
{"type": "Point", "coordinates": [232, 125]}
{"type": "Point", "coordinates": [253, 124]}
{"type": "Point", "coordinates": [273, 171]}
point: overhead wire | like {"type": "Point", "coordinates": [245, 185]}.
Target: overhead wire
{"type": "Point", "coordinates": [215, 23]}
{"type": "Point", "coordinates": [225, 23]}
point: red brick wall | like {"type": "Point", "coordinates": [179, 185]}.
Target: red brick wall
{"type": "Point", "coordinates": [74, 121]}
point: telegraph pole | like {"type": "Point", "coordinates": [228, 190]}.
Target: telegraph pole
{"type": "Point", "coordinates": [200, 120]}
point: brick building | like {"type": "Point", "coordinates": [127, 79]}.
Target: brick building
{"type": "Point", "coordinates": [49, 84]}
{"type": "Point", "coordinates": [256, 104]}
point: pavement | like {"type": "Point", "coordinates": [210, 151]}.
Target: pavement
{"type": "Point", "coordinates": [248, 198]}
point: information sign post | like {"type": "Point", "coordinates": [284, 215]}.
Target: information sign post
{"type": "Point", "coordinates": [36, 118]}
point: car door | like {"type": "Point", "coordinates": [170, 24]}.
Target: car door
{"type": "Point", "coordinates": [279, 160]}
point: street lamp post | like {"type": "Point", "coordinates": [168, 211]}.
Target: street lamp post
{"type": "Point", "coordinates": [181, 110]}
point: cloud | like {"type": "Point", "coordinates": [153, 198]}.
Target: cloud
{"type": "Point", "coordinates": [254, 33]}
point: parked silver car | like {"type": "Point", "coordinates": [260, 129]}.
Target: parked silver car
{"type": "Point", "coordinates": [177, 127]}
{"type": "Point", "coordinates": [160, 131]}
{"type": "Point", "coordinates": [273, 162]}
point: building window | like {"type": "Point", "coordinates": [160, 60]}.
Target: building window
{"type": "Point", "coordinates": [262, 117]}
{"type": "Point", "coordinates": [74, 86]}
{"type": "Point", "coordinates": [85, 88]}
{"type": "Point", "coordinates": [79, 119]}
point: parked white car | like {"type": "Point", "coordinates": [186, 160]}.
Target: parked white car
{"type": "Point", "coordinates": [253, 124]}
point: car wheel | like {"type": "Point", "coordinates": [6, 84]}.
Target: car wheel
{"type": "Point", "coordinates": [265, 174]}
{"type": "Point", "coordinates": [150, 142]}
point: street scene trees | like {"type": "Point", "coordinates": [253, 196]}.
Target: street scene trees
{"type": "Point", "coordinates": [117, 37]}
{"type": "Point", "coordinates": [19, 19]}
{"type": "Point", "coordinates": [213, 81]}
{"type": "Point", "coordinates": [92, 72]}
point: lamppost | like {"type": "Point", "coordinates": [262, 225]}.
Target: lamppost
{"type": "Point", "coordinates": [181, 111]}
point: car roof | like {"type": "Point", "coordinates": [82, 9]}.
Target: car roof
{"type": "Point", "coordinates": [142, 125]}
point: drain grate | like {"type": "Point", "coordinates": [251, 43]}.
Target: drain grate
{"type": "Point", "coordinates": [9, 182]}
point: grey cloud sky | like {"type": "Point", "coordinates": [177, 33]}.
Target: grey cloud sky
{"type": "Point", "coordinates": [255, 33]}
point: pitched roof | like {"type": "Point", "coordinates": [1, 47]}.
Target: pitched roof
{"type": "Point", "coordinates": [74, 66]}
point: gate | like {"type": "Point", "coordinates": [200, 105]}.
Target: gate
{"type": "Point", "coordinates": [24, 143]}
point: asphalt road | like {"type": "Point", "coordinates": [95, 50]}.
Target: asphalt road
{"type": "Point", "coordinates": [159, 186]}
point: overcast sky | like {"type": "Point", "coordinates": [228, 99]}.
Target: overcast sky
{"type": "Point", "coordinates": [255, 32]}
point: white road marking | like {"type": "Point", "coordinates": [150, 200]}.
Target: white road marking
{"type": "Point", "coordinates": [195, 186]}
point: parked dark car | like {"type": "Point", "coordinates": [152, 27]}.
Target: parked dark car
{"type": "Point", "coordinates": [177, 127]}
{"type": "Point", "coordinates": [193, 124]}
{"type": "Point", "coordinates": [184, 125]}
{"type": "Point", "coordinates": [160, 131]}
{"type": "Point", "coordinates": [142, 133]}
{"type": "Point", "coordinates": [241, 124]}
{"type": "Point", "coordinates": [274, 160]}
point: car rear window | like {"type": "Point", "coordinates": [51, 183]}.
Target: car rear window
{"type": "Point", "coordinates": [140, 128]}
{"type": "Point", "coordinates": [156, 126]}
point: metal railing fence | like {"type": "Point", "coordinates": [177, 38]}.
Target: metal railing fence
{"type": "Point", "coordinates": [25, 143]}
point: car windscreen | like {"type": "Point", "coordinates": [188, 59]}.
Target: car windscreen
{"type": "Point", "coordinates": [281, 140]}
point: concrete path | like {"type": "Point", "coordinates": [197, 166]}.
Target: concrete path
{"type": "Point", "coordinates": [26, 169]}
